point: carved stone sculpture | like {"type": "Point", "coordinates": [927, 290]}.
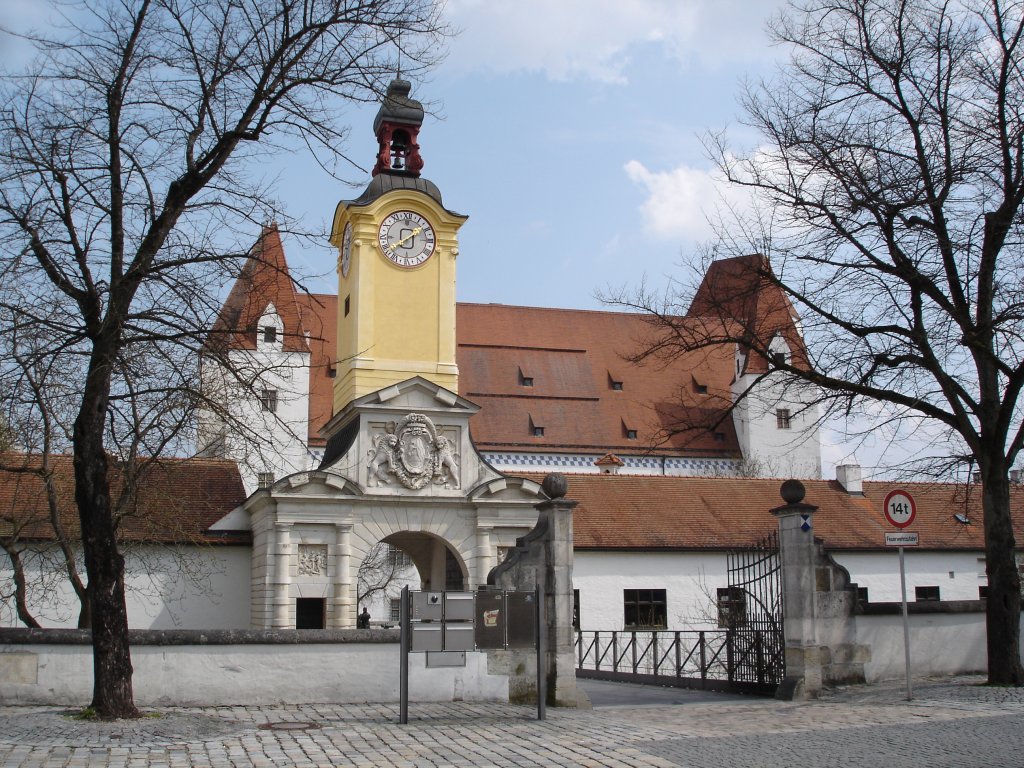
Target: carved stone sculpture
{"type": "Point", "coordinates": [413, 453]}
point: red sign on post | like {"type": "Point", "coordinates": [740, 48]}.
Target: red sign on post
{"type": "Point", "coordinates": [899, 508]}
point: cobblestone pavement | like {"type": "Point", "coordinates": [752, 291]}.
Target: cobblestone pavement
{"type": "Point", "coordinates": [949, 723]}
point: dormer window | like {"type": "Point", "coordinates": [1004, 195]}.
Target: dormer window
{"type": "Point", "coordinates": [631, 434]}
{"type": "Point", "coordinates": [614, 382]}
{"type": "Point", "coordinates": [779, 358]}
{"type": "Point", "coordinates": [699, 386]}
{"type": "Point", "coordinates": [269, 334]}
{"type": "Point", "coordinates": [538, 431]}
{"type": "Point", "coordinates": [617, 386]}
{"type": "Point", "coordinates": [525, 378]}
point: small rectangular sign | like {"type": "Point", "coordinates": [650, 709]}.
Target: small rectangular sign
{"type": "Point", "coordinates": [901, 539]}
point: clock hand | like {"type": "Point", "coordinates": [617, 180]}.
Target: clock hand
{"type": "Point", "coordinates": [416, 231]}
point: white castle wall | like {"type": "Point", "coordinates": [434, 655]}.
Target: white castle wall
{"type": "Point", "coordinates": [166, 588]}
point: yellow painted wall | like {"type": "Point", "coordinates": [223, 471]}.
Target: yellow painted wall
{"type": "Point", "coordinates": [401, 321]}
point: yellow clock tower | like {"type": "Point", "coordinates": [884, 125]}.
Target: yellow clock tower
{"type": "Point", "coordinates": [397, 246]}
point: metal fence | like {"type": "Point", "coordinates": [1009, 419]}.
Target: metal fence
{"type": "Point", "coordinates": [706, 659]}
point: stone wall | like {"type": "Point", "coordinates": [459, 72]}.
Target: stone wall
{"type": "Point", "coordinates": [223, 668]}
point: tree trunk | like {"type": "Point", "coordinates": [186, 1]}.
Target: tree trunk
{"type": "Point", "coordinates": [20, 588]}
{"type": "Point", "coordinates": [1003, 604]}
{"type": "Point", "coordinates": [112, 667]}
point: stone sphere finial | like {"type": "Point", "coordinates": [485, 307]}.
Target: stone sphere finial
{"type": "Point", "coordinates": [792, 491]}
{"type": "Point", "coordinates": [555, 485]}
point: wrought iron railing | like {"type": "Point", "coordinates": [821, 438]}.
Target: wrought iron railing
{"type": "Point", "coordinates": [710, 659]}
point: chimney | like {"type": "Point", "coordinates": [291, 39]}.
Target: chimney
{"type": "Point", "coordinates": [848, 476]}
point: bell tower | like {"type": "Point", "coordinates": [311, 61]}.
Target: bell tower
{"type": "Point", "coordinates": [397, 246]}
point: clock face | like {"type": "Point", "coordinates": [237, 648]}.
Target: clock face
{"type": "Point", "coordinates": [406, 238]}
{"type": "Point", "coordinates": [346, 250]}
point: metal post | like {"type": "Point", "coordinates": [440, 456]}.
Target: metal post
{"type": "Point", "coordinates": [403, 675]}
{"type": "Point", "coordinates": [906, 625]}
{"type": "Point", "coordinates": [542, 654]}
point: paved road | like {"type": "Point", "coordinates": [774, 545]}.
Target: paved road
{"type": "Point", "coordinates": [950, 724]}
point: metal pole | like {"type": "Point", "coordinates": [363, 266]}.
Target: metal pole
{"type": "Point", "coordinates": [542, 653]}
{"type": "Point", "coordinates": [403, 675]}
{"type": "Point", "coordinates": [906, 625]}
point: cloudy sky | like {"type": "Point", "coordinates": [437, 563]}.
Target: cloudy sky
{"type": "Point", "coordinates": [572, 144]}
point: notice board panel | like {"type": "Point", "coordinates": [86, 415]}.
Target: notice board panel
{"type": "Point", "coordinates": [490, 620]}
{"type": "Point", "coordinates": [522, 619]}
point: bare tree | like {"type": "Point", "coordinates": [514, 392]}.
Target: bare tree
{"type": "Point", "coordinates": [127, 163]}
{"type": "Point", "coordinates": [887, 201]}
{"type": "Point", "coordinates": [381, 573]}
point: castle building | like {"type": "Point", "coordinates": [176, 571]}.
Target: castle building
{"type": "Point", "coordinates": [390, 413]}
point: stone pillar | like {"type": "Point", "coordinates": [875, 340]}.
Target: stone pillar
{"type": "Point", "coordinates": [282, 576]}
{"type": "Point", "coordinates": [797, 554]}
{"type": "Point", "coordinates": [558, 558]}
{"type": "Point", "coordinates": [545, 556]}
{"type": "Point", "coordinates": [484, 556]}
{"type": "Point", "coordinates": [341, 613]}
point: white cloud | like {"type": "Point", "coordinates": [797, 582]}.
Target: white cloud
{"type": "Point", "coordinates": [680, 201]}
{"type": "Point", "coordinates": [592, 39]}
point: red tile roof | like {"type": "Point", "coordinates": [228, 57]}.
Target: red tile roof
{"type": "Point", "coordinates": [566, 371]}
{"type": "Point", "coordinates": [742, 295]}
{"type": "Point", "coordinates": [631, 512]}
{"type": "Point", "coordinates": [180, 498]}
{"type": "Point", "coordinates": [264, 280]}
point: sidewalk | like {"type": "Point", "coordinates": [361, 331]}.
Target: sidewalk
{"type": "Point", "coordinates": [950, 723]}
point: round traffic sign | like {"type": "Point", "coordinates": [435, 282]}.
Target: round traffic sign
{"type": "Point", "coordinates": [899, 508]}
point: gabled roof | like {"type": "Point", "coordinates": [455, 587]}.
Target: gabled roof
{"type": "Point", "coordinates": [264, 280]}
{"type": "Point", "coordinates": [629, 512]}
{"type": "Point", "coordinates": [180, 499]}
{"type": "Point", "coordinates": [742, 292]}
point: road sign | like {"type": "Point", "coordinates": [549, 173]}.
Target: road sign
{"type": "Point", "coordinates": [899, 508]}
{"type": "Point", "coordinates": [901, 539]}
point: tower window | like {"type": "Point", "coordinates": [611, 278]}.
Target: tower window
{"type": "Point", "coordinates": [269, 334]}
{"type": "Point", "coordinates": [782, 418]}
{"type": "Point", "coordinates": [268, 400]}
{"type": "Point", "coordinates": [265, 479]}
{"type": "Point", "coordinates": [779, 358]}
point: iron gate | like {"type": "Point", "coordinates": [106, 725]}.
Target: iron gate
{"type": "Point", "coordinates": [746, 653]}
{"type": "Point", "coordinates": [753, 615]}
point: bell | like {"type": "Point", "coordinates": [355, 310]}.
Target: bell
{"type": "Point", "coordinates": [399, 149]}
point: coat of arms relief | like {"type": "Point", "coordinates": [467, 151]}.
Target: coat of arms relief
{"type": "Point", "coordinates": [413, 453]}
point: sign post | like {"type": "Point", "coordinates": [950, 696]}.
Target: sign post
{"type": "Point", "coordinates": [900, 511]}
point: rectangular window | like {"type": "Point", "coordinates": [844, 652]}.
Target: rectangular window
{"type": "Point", "coordinates": [926, 594]}
{"type": "Point", "coordinates": [395, 612]}
{"type": "Point", "coordinates": [309, 612]}
{"type": "Point", "coordinates": [644, 609]}
{"type": "Point", "coordinates": [862, 594]}
{"type": "Point", "coordinates": [269, 334]}
{"type": "Point", "coordinates": [538, 431]}
{"type": "Point", "coordinates": [782, 418]}
{"type": "Point", "coordinates": [348, 305]}
{"type": "Point", "coordinates": [779, 358]}
{"type": "Point", "coordinates": [265, 479]}
{"type": "Point", "coordinates": [397, 558]}
{"type": "Point", "coordinates": [268, 400]}
{"type": "Point", "coordinates": [732, 607]}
